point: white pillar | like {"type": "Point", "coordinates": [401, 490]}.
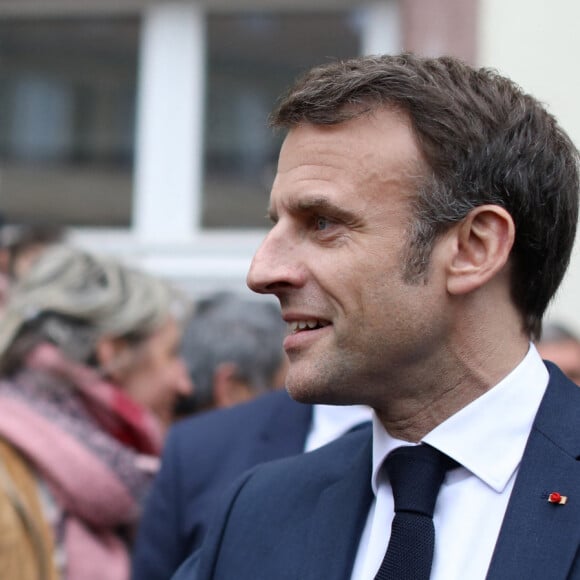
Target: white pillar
{"type": "Point", "coordinates": [169, 143]}
{"type": "Point", "coordinates": [381, 32]}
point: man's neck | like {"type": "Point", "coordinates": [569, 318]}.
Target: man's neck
{"type": "Point", "coordinates": [467, 374]}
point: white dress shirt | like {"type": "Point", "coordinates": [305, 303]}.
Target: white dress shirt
{"type": "Point", "coordinates": [487, 438]}
{"type": "Point", "coordinates": [332, 421]}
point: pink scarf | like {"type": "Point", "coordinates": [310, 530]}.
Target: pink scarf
{"type": "Point", "coordinates": [116, 413]}
{"type": "Point", "coordinates": [67, 422]}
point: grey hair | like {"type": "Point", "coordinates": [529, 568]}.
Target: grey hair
{"type": "Point", "coordinates": [231, 329]}
{"type": "Point", "coordinates": [72, 298]}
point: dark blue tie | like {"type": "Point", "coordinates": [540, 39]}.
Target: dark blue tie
{"type": "Point", "coordinates": [416, 474]}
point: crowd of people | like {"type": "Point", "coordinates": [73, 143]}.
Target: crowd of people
{"type": "Point", "coordinates": [423, 217]}
{"type": "Point", "coordinates": [90, 371]}
{"type": "Point", "coordinates": [98, 359]}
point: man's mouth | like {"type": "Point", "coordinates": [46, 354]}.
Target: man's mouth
{"type": "Point", "coordinates": [301, 325]}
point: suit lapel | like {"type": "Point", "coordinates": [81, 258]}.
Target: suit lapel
{"type": "Point", "coordinates": [539, 539]}
{"type": "Point", "coordinates": [339, 519]}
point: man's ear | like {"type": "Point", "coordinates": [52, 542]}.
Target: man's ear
{"type": "Point", "coordinates": [481, 245]}
{"type": "Point", "coordinates": [228, 389]}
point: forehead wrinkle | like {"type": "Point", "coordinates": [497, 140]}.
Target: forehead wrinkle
{"type": "Point", "coordinates": [305, 201]}
{"type": "Point", "coordinates": [304, 189]}
{"type": "Point", "coordinates": [316, 150]}
{"type": "Point", "coordinates": [386, 171]}
{"type": "Point", "coordinates": [389, 172]}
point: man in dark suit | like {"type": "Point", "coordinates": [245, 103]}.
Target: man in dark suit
{"type": "Point", "coordinates": [206, 453]}
{"type": "Point", "coordinates": [424, 214]}
{"type": "Point", "coordinates": [202, 456]}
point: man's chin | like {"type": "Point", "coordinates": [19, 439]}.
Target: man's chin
{"type": "Point", "coordinates": [314, 393]}
{"type": "Point", "coordinates": [303, 391]}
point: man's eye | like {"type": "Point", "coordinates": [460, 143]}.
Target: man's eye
{"type": "Point", "coordinates": [322, 223]}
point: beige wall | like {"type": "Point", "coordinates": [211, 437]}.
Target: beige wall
{"type": "Point", "coordinates": [537, 43]}
{"type": "Point", "coordinates": [440, 27]}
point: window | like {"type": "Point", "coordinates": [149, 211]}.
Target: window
{"type": "Point", "coordinates": [253, 58]}
{"type": "Point", "coordinates": [67, 110]}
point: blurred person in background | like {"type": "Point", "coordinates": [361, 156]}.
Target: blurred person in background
{"type": "Point", "coordinates": [20, 245]}
{"type": "Point", "coordinates": [90, 369]}
{"type": "Point", "coordinates": [561, 346]}
{"type": "Point", "coordinates": [233, 350]}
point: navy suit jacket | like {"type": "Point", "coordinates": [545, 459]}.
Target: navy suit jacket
{"type": "Point", "coordinates": [203, 455]}
{"type": "Point", "coordinates": [302, 518]}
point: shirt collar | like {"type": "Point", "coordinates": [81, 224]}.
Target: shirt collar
{"type": "Point", "coordinates": [489, 435]}
{"type": "Point", "coordinates": [332, 421]}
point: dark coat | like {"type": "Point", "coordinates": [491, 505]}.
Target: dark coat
{"type": "Point", "coordinates": [202, 456]}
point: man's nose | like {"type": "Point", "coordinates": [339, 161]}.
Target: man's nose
{"type": "Point", "coordinates": [275, 265]}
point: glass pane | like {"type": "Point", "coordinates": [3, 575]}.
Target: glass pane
{"type": "Point", "coordinates": [252, 60]}
{"type": "Point", "coordinates": [67, 109]}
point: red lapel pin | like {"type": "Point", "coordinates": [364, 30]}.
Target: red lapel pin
{"type": "Point", "coordinates": [557, 498]}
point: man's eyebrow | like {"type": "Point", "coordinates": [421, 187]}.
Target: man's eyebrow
{"type": "Point", "coordinates": [302, 206]}
{"type": "Point", "coordinates": [309, 204]}
{"type": "Point", "coordinates": [313, 205]}
{"type": "Point", "coordinates": [323, 205]}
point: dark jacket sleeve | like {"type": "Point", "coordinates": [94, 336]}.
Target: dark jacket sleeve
{"type": "Point", "coordinates": [159, 547]}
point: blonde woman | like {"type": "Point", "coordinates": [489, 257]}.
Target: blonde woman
{"type": "Point", "coordinates": [90, 369]}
